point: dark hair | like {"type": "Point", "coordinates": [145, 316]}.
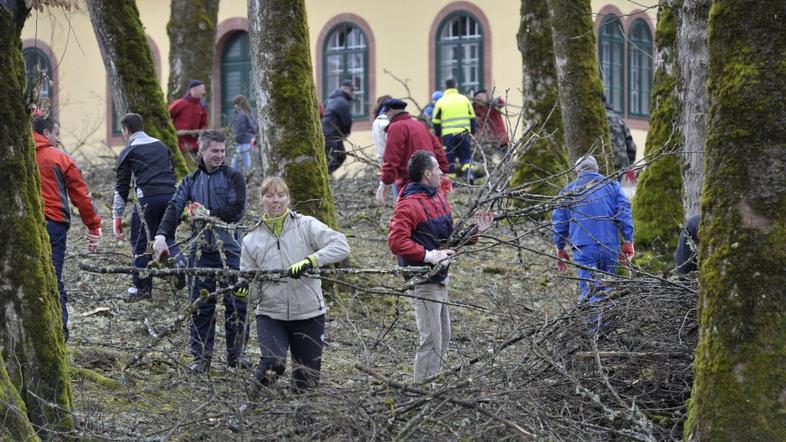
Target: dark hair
{"type": "Point", "coordinates": [418, 164]}
{"type": "Point", "coordinates": [209, 136]}
{"type": "Point", "coordinates": [242, 101]}
{"type": "Point", "coordinates": [40, 124]}
{"type": "Point", "coordinates": [450, 83]}
{"type": "Point", "coordinates": [132, 122]}
{"type": "Point", "coordinates": [380, 100]}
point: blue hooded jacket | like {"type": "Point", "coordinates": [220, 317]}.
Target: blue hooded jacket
{"type": "Point", "coordinates": [592, 210]}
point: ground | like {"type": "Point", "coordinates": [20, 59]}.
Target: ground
{"type": "Point", "coordinates": [516, 303]}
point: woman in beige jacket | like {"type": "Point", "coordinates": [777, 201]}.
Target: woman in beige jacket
{"type": "Point", "coordinates": [290, 312]}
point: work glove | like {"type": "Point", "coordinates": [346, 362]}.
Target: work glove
{"type": "Point", "coordinates": [380, 195]}
{"type": "Point", "coordinates": [562, 254]}
{"type": "Point", "coordinates": [117, 228]}
{"type": "Point", "coordinates": [160, 248]}
{"type": "Point", "coordinates": [197, 209]}
{"type": "Point", "coordinates": [434, 257]}
{"type": "Point", "coordinates": [297, 269]}
{"type": "Point", "coordinates": [241, 289]}
{"type": "Point", "coordinates": [93, 237]}
{"type": "Point", "coordinates": [627, 252]}
{"type": "Point", "coordinates": [446, 185]}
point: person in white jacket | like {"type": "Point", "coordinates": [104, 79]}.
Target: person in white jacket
{"type": "Point", "coordinates": [291, 311]}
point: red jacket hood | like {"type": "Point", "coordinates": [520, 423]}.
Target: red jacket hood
{"type": "Point", "coordinates": [41, 141]}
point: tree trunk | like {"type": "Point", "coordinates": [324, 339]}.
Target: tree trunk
{"type": "Point", "coordinates": [657, 205]}
{"type": "Point", "coordinates": [31, 330]}
{"type": "Point", "coordinates": [547, 156]}
{"type": "Point", "coordinates": [16, 425]}
{"type": "Point", "coordinates": [580, 88]}
{"type": "Point", "coordinates": [289, 132]}
{"type": "Point", "coordinates": [739, 390]}
{"type": "Point", "coordinates": [192, 44]}
{"type": "Point", "coordinates": [692, 53]}
{"type": "Point", "coordinates": [132, 73]}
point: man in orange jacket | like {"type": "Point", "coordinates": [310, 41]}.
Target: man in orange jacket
{"type": "Point", "coordinates": [61, 180]}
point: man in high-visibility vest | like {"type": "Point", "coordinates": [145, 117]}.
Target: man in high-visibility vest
{"type": "Point", "coordinates": [454, 121]}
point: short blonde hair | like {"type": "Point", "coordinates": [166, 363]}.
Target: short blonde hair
{"type": "Point", "coordinates": [273, 183]}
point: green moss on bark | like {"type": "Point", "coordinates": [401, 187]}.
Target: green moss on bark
{"type": "Point", "coordinates": [192, 45]}
{"type": "Point", "coordinates": [291, 134]}
{"type": "Point", "coordinates": [31, 337]}
{"type": "Point", "coordinates": [547, 156]}
{"type": "Point", "coordinates": [15, 426]}
{"type": "Point", "coordinates": [739, 392]}
{"type": "Point", "coordinates": [122, 36]}
{"type": "Point", "coordinates": [657, 205]}
{"type": "Point", "coordinates": [580, 88]}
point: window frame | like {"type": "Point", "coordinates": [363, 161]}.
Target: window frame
{"type": "Point", "coordinates": [344, 53]}
{"type": "Point", "coordinates": [461, 41]}
{"type": "Point", "coordinates": [43, 54]}
{"type": "Point", "coordinates": [613, 93]}
{"type": "Point", "coordinates": [226, 119]}
{"type": "Point", "coordinates": [636, 49]}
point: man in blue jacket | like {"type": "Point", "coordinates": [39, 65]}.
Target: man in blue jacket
{"type": "Point", "coordinates": [337, 124]}
{"type": "Point", "coordinates": [592, 215]}
{"type": "Point", "coordinates": [218, 191]}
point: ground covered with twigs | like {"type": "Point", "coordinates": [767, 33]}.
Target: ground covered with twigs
{"type": "Point", "coordinates": [525, 361]}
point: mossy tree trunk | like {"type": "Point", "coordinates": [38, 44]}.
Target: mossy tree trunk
{"type": "Point", "coordinates": [289, 133]}
{"type": "Point", "coordinates": [547, 156]}
{"type": "Point", "coordinates": [739, 389]}
{"type": "Point", "coordinates": [31, 330]}
{"type": "Point", "coordinates": [192, 44]}
{"type": "Point", "coordinates": [580, 88]}
{"type": "Point", "coordinates": [132, 73]}
{"type": "Point", "coordinates": [15, 424]}
{"type": "Point", "coordinates": [657, 205]}
{"type": "Point", "coordinates": [693, 61]}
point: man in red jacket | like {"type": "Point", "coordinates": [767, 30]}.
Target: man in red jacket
{"type": "Point", "coordinates": [405, 136]}
{"type": "Point", "coordinates": [61, 180]}
{"type": "Point", "coordinates": [189, 113]}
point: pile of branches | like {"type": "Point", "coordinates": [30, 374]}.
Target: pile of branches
{"type": "Point", "coordinates": [616, 369]}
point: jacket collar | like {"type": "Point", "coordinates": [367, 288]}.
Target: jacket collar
{"type": "Point", "coordinates": [402, 116]}
{"type": "Point", "coordinates": [418, 188]}
{"type": "Point", "coordinates": [40, 141]}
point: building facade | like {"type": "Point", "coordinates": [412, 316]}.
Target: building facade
{"type": "Point", "coordinates": [405, 49]}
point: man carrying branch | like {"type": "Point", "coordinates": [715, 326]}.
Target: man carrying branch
{"type": "Point", "coordinates": [421, 225]}
{"type": "Point", "coordinates": [219, 191]}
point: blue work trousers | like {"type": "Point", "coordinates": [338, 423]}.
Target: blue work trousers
{"type": "Point", "coordinates": [58, 233]}
{"type": "Point", "coordinates": [603, 257]}
{"type": "Point", "coordinates": [457, 145]}
{"type": "Point", "coordinates": [203, 323]}
{"type": "Point", "coordinates": [153, 208]}
{"type": "Point", "coordinates": [303, 338]}
{"type": "Point", "coordinates": [242, 158]}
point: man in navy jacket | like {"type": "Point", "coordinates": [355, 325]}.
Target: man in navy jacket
{"type": "Point", "coordinates": [146, 163]}
{"type": "Point", "coordinates": [219, 191]}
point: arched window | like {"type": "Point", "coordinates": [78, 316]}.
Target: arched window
{"type": "Point", "coordinates": [39, 83]}
{"type": "Point", "coordinates": [235, 74]}
{"type": "Point", "coordinates": [345, 57]}
{"type": "Point", "coordinates": [460, 52]}
{"type": "Point", "coordinates": [639, 69]}
{"type": "Point", "coordinates": [611, 54]}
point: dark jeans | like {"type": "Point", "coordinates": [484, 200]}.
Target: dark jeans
{"type": "Point", "coordinates": [203, 324]}
{"type": "Point", "coordinates": [58, 233]}
{"type": "Point", "coordinates": [153, 208]}
{"type": "Point", "coordinates": [303, 338]}
{"type": "Point", "coordinates": [335, 153]}
{"type": "Point", "coordinates": [457, 145]}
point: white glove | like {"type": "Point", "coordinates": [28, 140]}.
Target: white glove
{"type": "Point", "coordinates": [435, 256]}
{"type": "Point", "coordinates": [159, 247]}
{"type": "Point", "coordinates": [380, 195]}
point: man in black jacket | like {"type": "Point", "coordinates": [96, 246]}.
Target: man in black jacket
{"type": "Point", "coordinates": [337, 124]}
{"type": "Point", "coordinates": [219, 191]}
{"type": "Point", "coordinates": [146, 165]}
